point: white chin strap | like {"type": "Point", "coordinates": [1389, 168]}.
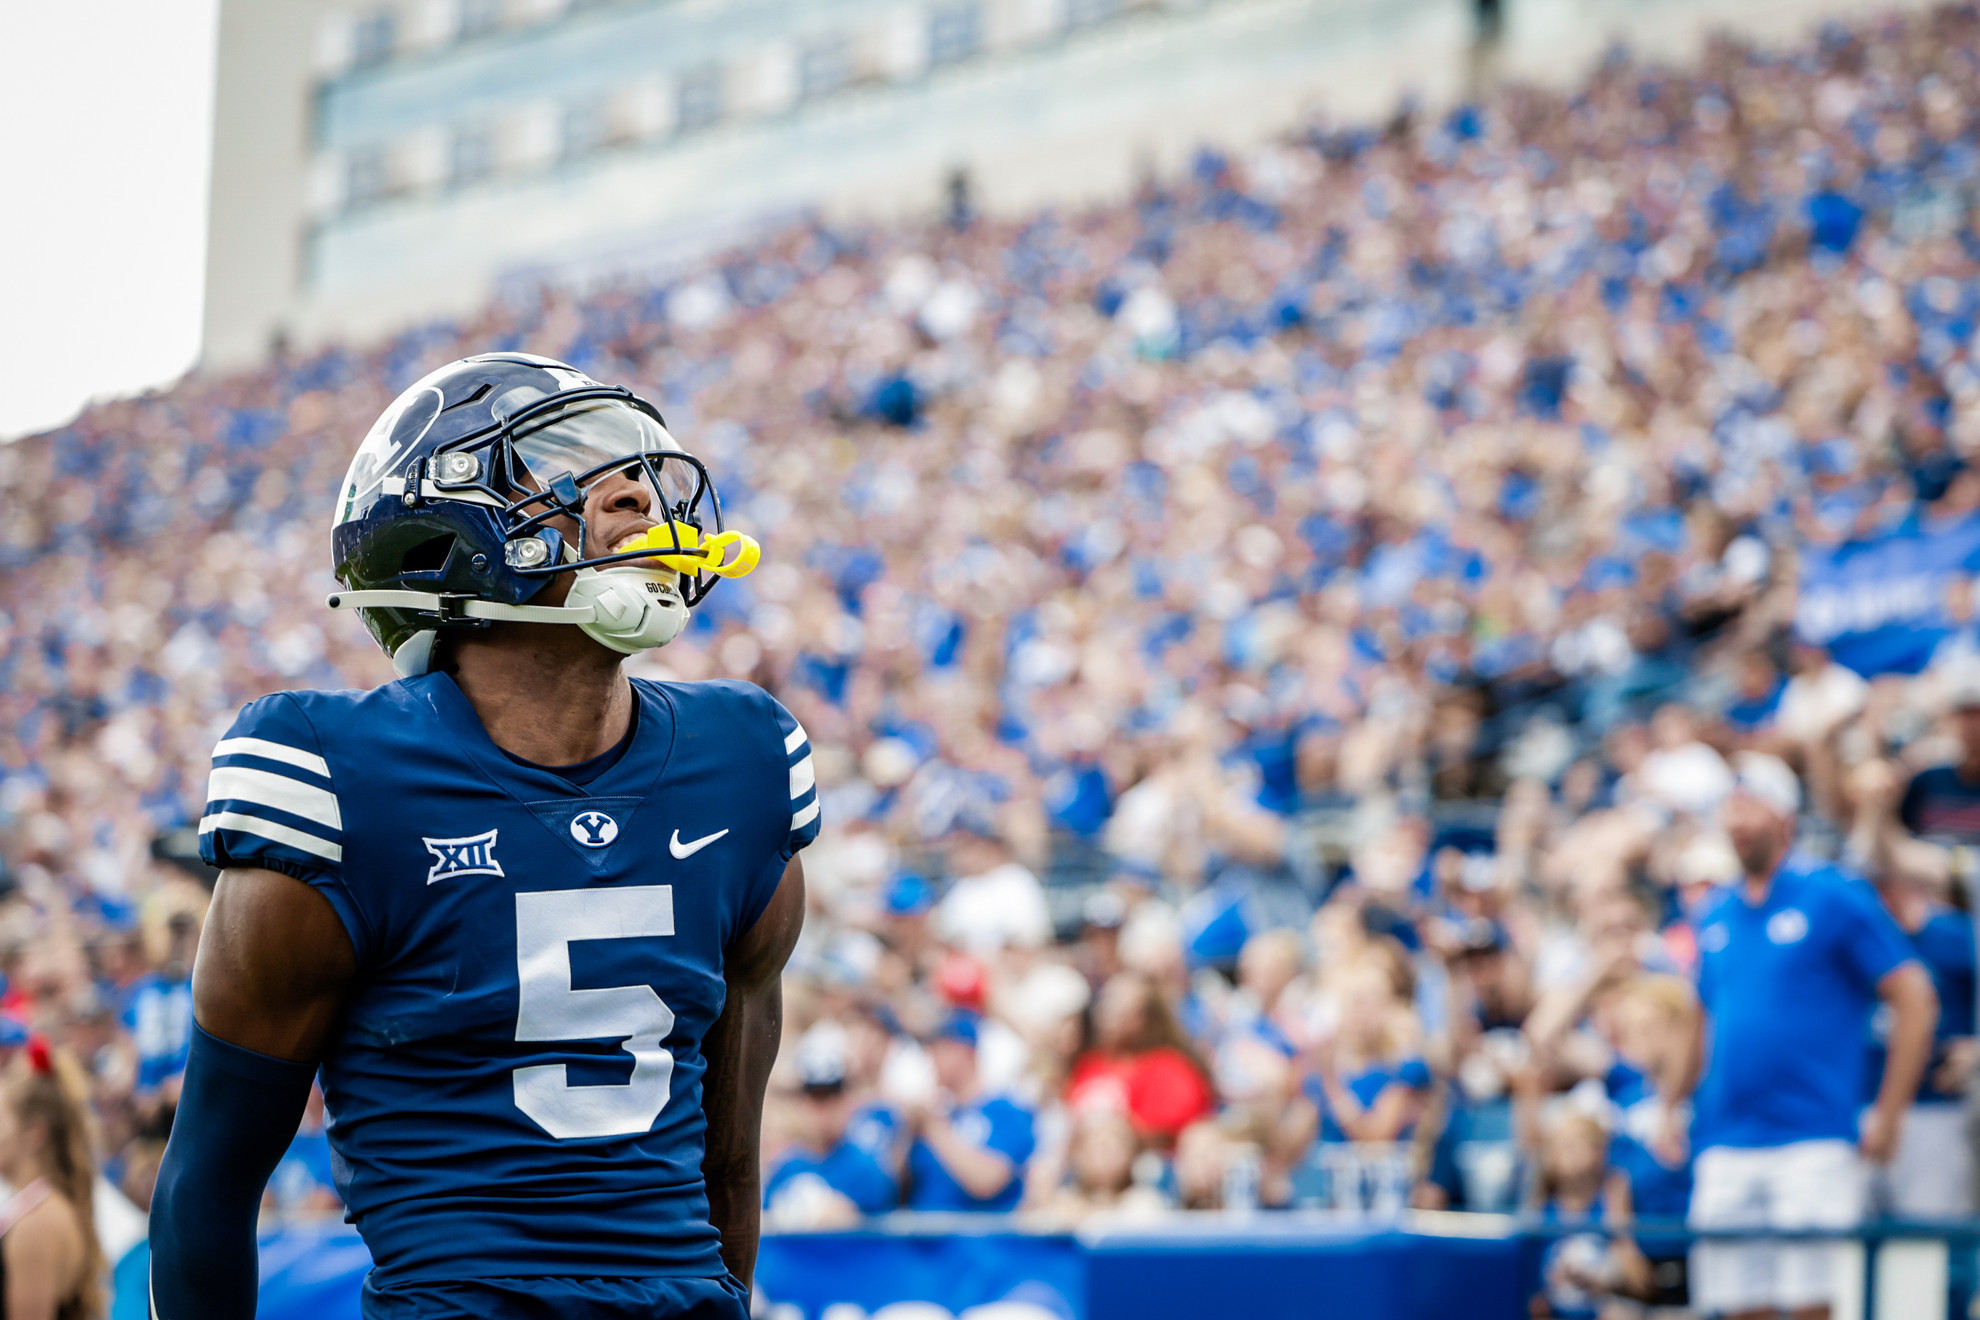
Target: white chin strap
{"type": "Point", "coordinates": [624, 608]}
{"type": "Point", "coordinates": [632, 609]}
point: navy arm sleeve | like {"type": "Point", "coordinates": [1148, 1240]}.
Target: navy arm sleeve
{"type": "Point", "coordinates": [238, 1111]}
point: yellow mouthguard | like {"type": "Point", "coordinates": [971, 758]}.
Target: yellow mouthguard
{"type": "Point", "coordinates": [694, 554]}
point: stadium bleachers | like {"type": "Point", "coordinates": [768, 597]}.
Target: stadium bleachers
{"type": "Point", "coordinates": [1382, 535]}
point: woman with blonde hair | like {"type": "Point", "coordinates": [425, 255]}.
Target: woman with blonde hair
{"type": "Point", "coordinates": [51, 1266]}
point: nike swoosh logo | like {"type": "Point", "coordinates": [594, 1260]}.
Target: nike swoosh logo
{"type": "Point", "coordinates": [684, 850]}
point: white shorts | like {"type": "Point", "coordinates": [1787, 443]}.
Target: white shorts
{"type": "Point", "coordinates": [1931, 1175]}
{"type": "Point", "coordinates": [1808, 1184]}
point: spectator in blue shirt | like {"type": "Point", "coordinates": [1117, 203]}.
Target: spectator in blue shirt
{"type": "Point", "coordinates": [1655, 1017]}
{"type": "Point", "coordinates": [160, 1013]}
{"type": "Point", "coordinates": [1793, 959]}
{"type": "Point", "coordinates": [1931, 1174]}
{"type": "Point", "coordinates": [826, 1179]}
{"type": "Point", "coordinates": [969, 1148]}
{"type": "Point", "coordinates": [1369, 1082]}
{"type": "Point", "coordinates": [1575, 1188]}
{"type": "Point", "coordinates": [1757, 694]}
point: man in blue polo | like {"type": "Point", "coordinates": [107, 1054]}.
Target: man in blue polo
{"type": "Point", "coordinates": [1793, 960]}
{"type": "Point", "coordinates": [970, 1147]}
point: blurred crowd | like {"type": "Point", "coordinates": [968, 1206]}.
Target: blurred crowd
{"type": "Point", "coordinates": [1274, 647]}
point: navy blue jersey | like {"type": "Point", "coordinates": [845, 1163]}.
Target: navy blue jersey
{"type": "Point", "coordinates": [515, 1086]}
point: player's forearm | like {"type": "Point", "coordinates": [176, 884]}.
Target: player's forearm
{"type": "Point", "coordinates": [237, 1113]}
{"type": "Point", "coordinates": [735, 1207]}
{"type": "Point", "coordinates": [741, 1049]}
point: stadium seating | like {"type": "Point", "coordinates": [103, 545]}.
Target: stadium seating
{"type": "Point", "coordinates": [1383, 535]}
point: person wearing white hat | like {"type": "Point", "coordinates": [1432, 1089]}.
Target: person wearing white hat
{"type": "Point", "coordinates": [1794, 958]}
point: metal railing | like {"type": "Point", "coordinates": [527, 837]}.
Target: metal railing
{"type": "Point", "coordinates": [1888, 1269]}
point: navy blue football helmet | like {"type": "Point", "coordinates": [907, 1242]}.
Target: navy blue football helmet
{"type": "Point", "coordinates": [443, 521]}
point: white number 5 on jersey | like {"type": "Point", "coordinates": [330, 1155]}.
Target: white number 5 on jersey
{"type": "Point", "coordinates": [550, 1010]}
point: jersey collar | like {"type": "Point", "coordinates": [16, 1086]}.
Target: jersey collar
{"type": "Point", "coordinates": [634, 775]}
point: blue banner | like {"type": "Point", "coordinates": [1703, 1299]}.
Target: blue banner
{"type": "Point", "coordinates": [1879, 604]}
{"type": "Point", "coordinates": [317, 1273]}
{"type": "Point", "coordinates": [1288, 1271]}
{"type": "Point", "coordinates": [968, 1268]}
{"type": "Point", "coordinates": [853, 1275]}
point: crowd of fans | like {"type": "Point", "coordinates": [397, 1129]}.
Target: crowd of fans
{"type": "Point", "coordinates": [1274, 648]}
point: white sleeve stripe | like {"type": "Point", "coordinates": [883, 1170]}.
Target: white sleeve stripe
{"type": "Point", "coordinates": [802, 778]}
{"type": "Point", "coordinates": [274, 833]}
{"type": "Point", "coordinates": [803, 818]}
{"type": "Point", "coordinates": [273, 751]}
{"type": "Point", "coordinates": [795, 740]}
{"type": "Point", "coordinates": [261, 788]}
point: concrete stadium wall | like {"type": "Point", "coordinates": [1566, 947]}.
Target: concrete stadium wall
{"type": "Point", "coordinates": [1064, 123]}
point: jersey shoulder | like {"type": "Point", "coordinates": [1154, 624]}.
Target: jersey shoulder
{"type": "Point", "coordinates": [273, 795]}
{"type": "Point", "coordinates": [739, 723]}
{"type": "Point", "coordinates": [355, 714]}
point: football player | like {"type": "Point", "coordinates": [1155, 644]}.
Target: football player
{"type": "Point", "coordinates": [524, 917]}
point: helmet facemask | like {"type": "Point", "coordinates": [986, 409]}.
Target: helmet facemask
{"type": "Point", "coordinates": [542, 465]}
{"type": "Point", "coordinates": [530, 468]}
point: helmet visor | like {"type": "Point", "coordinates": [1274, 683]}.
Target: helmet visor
{"type": "Point", "coordinates": [593, 437]}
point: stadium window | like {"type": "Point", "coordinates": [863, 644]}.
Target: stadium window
{"type": "Point", "coordinates": [366, 177]}
{"type": "Point", "coordinates": [823, 68]}
{"type": "Point", "coordinates": [955, 32]}
{"type": "Point", "coordinates": [470, 156]}
{"type": "Point", "coordinates": [1085, 13]}
{"type": "Point", "coordinates": [372, 37]}
{"type": "Point", "coordinates": [699, 99]}
{"type": "Point", "coordinates": [582, 130]}
{"type": "Point", "coordinates": [480, 18]}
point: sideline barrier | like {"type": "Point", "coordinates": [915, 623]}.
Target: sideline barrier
{"type": "Point", "coordinates": [1292, 1267]}
{"type": "Point", "coordinates": [1264, 1266]}
{"type": "Point", "coordinates": [974, 1267]}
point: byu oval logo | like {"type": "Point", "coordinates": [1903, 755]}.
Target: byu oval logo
{"type": "Point", "coordinates": [594, 829]}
